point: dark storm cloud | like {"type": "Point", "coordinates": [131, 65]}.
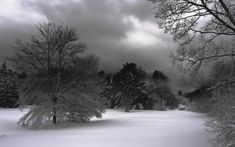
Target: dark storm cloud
{"type": "Point", "coordinates": [117, 31]}
{"type": "Point", "coordinates": [9, 34]}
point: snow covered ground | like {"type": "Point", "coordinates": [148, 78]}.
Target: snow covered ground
{"type": "Point", "coordinates": [116, 129]}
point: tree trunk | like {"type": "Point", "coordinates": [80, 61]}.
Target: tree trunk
{"type": "Point", "coordinates": [54, 117]}
{"type": "Point", "coordinates": [59, 66]}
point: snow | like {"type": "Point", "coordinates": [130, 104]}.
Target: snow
{"type": "Point", "coordinates": [115, 129]}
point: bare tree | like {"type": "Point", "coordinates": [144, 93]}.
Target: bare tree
{"type": "Point", "coordinates": [195, 24]}
{"type": "Point", "coordinates": [205, 31]}
{"type": "Point", "coordinates": [223, 114]}
{"type": "Point", "coordinates": [49, 59]}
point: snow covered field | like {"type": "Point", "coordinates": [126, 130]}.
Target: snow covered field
{"type": "Point", "coordinates": [116, 129]}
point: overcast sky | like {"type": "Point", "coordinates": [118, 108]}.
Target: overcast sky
{"type": "Point", "coordinates": [117, 31]}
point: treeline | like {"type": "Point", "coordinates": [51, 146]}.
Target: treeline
{"type": "Point", "coordinates": [53, 75]}
{"type": "Point", "coordinates": [132, 87]}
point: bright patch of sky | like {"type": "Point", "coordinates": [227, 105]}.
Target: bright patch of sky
{"type": "Point", "coordinates": [14, 11]}
{"type": "Point", "coordinates": [143, 33]}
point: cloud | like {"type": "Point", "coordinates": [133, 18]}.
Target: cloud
{"type": "Point", "coordinates": [13, 11]}
{"type": "Point", "coordinates": [117, 31]}
{"type": "Point", "coordinates": [142, 33]}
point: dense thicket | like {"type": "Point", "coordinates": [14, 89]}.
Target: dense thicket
{"type": "Point", "coordinates": [9, 94]}
{"type": "Point", "coordinates": [132, 88]}
{"type": "Point", "coordinates": [159, 91]}
{"type": "Point", "coordinates": [124, 88]}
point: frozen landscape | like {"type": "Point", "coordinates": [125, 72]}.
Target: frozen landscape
{"type": "Point", "coordinates": [115, 129]}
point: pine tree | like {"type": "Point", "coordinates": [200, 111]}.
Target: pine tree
{"type": "Point", "coordinates": [132, 89]}
{"type": "Point", "coordinates": [8, 90]}
{"type": "Point", "coordinates": [126, 87]}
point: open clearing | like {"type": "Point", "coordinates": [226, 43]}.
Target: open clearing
{"type": "Point", "coordinates": [115, 129]}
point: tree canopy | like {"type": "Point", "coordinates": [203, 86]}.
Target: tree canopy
{"type": "Point", "coordinates": [193, 21]}
{"type": "Point", "coordinates": [56, 76]}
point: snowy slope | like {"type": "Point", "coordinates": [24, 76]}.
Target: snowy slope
{"type": "Point", "coordinates": [116, 129]}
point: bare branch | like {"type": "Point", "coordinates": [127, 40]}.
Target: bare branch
{"type": "Point", "coordinates": [220, 84]}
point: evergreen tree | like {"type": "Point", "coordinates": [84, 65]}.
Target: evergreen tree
{"type": "Point", "coordinates": [8, 89]}
{"type": "Point", "coordinates": [125, 87]}
{"type": "Point", "coordinates": [132, 89]}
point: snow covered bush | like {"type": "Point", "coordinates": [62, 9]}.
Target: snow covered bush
{"type": "Point", "coordinates": [70, 106]}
